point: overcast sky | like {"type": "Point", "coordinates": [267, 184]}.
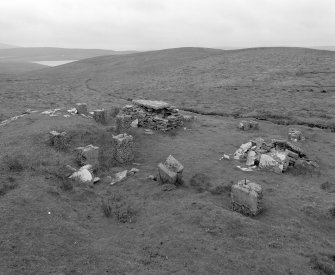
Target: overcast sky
{"type": "Point", "coordinates": [158, 24]}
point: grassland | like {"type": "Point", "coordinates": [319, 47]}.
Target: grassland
{"type": "Point", "coordinates": [51, 226]}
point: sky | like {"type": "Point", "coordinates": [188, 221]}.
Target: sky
{"type": "Point", "coordinates": [160, 24]}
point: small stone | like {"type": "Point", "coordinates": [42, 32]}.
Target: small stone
{"type": "Point", "coordinates": [83, 175]}
{"type": "Point", "coordinates": [81, 108]}
{"type": "Point", "coordinates": [295, 134]}
{"type": "Point", "coordinates": [133, 171]}
{"type": "Point", "coordinates": [119, 177]}
{"type": "Point", "coordinates": [152, 177]}
{"type": "Point", "coordinates": [251, 157]}
{"type": "Point", "coordinates": [96, 179]}
{"type": "Point", "coordinates": [166, 176]}
{"type": "Point", "coordinates": [246, 197]}
{"type": "Point", "coordinates": [148, 132]}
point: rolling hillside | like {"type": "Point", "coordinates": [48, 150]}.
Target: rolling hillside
{"type": "Point", "coordinates": [285, 85]}
{"type": "Point", "coordinates": [15, 60]}
{"type": "Point", "coordinates": [7, 46]}
{"type": "Point", "coordinates": [52, 225]}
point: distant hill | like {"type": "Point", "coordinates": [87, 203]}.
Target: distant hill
{"type": "Point", "coordinates": [10, 58]}
{"type": "Point", "coordinates": [7, 46]}
{"type": "Point", "coordinates": [46, 53]}
{"type": "Point", "coordinates": [269, 83]}
{"type": "Point", "coordinates": [327, 48]}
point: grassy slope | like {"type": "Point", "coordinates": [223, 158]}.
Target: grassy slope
{"type": "Point", "coordinates": [179, 231]}
{"type": "Point", "coordinates": [282, 84]}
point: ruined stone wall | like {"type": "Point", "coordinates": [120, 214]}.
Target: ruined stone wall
{"type": "Point", "coordinates": [163, 119]}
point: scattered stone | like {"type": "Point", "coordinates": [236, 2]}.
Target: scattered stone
{"type": "Point", "coordinates": [168, 187]}
{"type": "Point", "coordinates": [123, 122]}
{"type": "Point", "coordinates": [188, 118]}
{"type": "Point", "coordinates": [119, 177]}
{"type": "Point", "coordinates": [295, 135]}
{"type": "Point", "coordinates": [100, 116]}
{"type": "Point", "coordinates": [152, 177]}
{"type": "Point", "coordinates": [81, 108]}
{"type": "Point", "coordinates": [246, 198]}
{"type": "Point", "coordinates": [148, 132]}
{"type": "Point", "coordinates": [276, 155]}
{"type": "Point", "coordinates": [72, 111]}
{"type": "Point", "coordinates": [83, 175]}
{"type": "Point", "coordinates": [241, 153]}
{"type": "Point", "coordinates": [133, 171]}
{"type": "Point", "coordinates": [123, 148]}
{"type": "Point", "coordinates": [88, 154]}
{"type": "Point", "coordinates": [224, 157]}
{"type": "Point", "coordinates": [96, 179]}
{"type": "Point", "coordinates": [171, 171]}
{"type": "Point", "coordinates": [246, 169]}
{"type": "Point", "coordinates": [247, 125]}
{"type": "Point", "coordinates": [58, 140]}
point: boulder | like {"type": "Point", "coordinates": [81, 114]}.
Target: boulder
{"type": "Point", "coordinates": [246, 198]}
{"type": "Point", "coordinates": [83, 175]}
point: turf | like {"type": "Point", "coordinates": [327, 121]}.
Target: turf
{"type": "Point", "coordinates": [52, 226]}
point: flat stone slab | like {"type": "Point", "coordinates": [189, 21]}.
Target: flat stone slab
{"type": "Point", "coordinates": [153, 104]}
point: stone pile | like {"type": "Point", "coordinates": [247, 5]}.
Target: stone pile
{"type": "Point", "coordinates": [171, 172]}
{"type": "Point", "coordinates": [246, 197]}
{"type": "Point", "coordinates": [248, 125]}
{"type": "Point", "coordinates": [276, 155]}
{"type": "Point", "coordinates": [124, 151]}
{"type": "Point", "coordinates": [155, 115]}
{"type": "Point", "coordinates": [123, 122]}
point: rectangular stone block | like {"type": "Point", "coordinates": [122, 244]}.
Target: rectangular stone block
{"type": "Point", "coordinates": [165, 175]}
{"type": "Point", "coordinates": [246, 198]}
{"type": "Point", "coordinates": [124, 151]}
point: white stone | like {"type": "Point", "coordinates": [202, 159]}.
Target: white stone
{"type": "Point", "coordinates": [119, 177]}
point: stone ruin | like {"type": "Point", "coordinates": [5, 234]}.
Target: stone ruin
{"type": "Point", "coordinates": [246, 198]}
{"type": "Point", "coordinates": [155, 115]}
{"type": "Point", "coordinates": [295, 135]}
{"type": "Point", "coordinates": [248, 125]}
{"type": "Point", "coordinates": [171, 172]}
{"type": "Point", "coordinates": [124, 151]}
{"type": "Point", "coordinates": [276, 155]}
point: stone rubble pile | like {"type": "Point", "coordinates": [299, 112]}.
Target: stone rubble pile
{"type": "Point", "coordinates": [246, 198]}
{"type": "Point", "coordinates": [276, 155]}
{"type": "Point", "coordinates": [155, 115]}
